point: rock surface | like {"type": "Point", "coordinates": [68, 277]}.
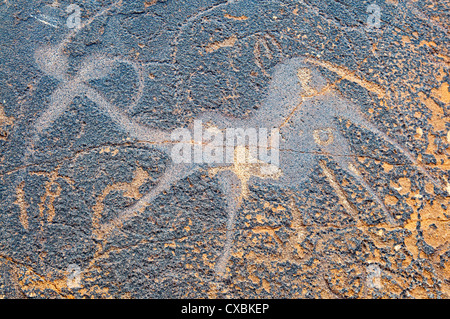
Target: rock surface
{"type": "Point", "coordinates": [93, 206]}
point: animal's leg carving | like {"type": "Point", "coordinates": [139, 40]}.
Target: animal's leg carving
{"type": "Point", "coordinates": [59, 102]}
{"type": "Point", "coordinates": [232, 188]}
{"type": "Point", "coordinates": [333, 143]}
{"type": "Point", "coordinates": [350, 111]}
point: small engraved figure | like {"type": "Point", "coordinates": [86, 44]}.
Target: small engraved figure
{"type": "Point", "coordinates": [374, 18]}
{"type": "Point", "coordinates": [74, 19]}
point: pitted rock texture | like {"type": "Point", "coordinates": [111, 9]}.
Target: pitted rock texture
{"type": "Point", "coordinates": [92, 205]}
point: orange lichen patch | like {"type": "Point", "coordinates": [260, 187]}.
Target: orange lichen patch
{"type": "Point", "coordinates": [430, 216]}
{"type": "Point", "coordinates": [394, 285]}
{"type": "Point", "coordinates": [261, 219]}
{"type": "Point", "coordinates": [228, 42]}
{"type": "Point", "coordinates": [442, 93]}
{"type": "Point", "coordinates": [442, 160]}
{"type": "Point", "coordinates": [266, 285]}
{"type": "Point", "coordinates": [390, 200]}
{"type": "Point", "coordinates": [4, 120]}
{"type": "Point", "coordinates": [436, 227]}
{"type": "Point", "coordinates": [436, 233]}
{"type": "Point", "coordinates": [438, 120]}
{"type": "Point", "coordinates": [213, 290]}
{"type": "Point", "coordinates": [42, 285]}
{"type": "Point", "coordinates": [339, 281]}
{"type": "Point", "coordinates": [31, 283]}
{"type": "Point", "coordinates": [20, 201]}
{"type": "Point", "coordinates": [406, 39]}
{"type": "Point", "coordinates": [419, 133]}
{"type": "Point", "coordinates": [255, 279]}
{"type": "Point", "coordinates": [429, 188]}
{"type": "Point", "coordinates": [240, 18]}
{"type": "Point", "coordinates": [430, 44]}
{"type": "Point", "coordinates": [394, 2]}
{"type": "Point", "coordinates": [419, 293]}
{"type": "Point", "coordinates": [130, 190]}
{"type": "Point", "coordinates": [150, 3]}
{"type": "Point", "coordinates": [300, 231]}
{"type": "Point", "coordinates": [403, 186]}
{"type": "Point", "coordinates": [52, 192]}
{"type": "Point", "coordinates": [107, 149]}
{"type": "Point", "coordinates": [387, 167]}
{"type": "Point", "coordinates": [269, 230]}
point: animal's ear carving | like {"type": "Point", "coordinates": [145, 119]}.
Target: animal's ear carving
{"type": "Point", "coordinates": [51, 61]}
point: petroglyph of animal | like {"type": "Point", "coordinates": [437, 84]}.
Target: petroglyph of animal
{"type": "Point", "coordinates": [300, 103]}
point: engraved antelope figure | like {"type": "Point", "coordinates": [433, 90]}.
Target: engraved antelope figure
{"type": "Point", "coordinates": [300, 103]}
